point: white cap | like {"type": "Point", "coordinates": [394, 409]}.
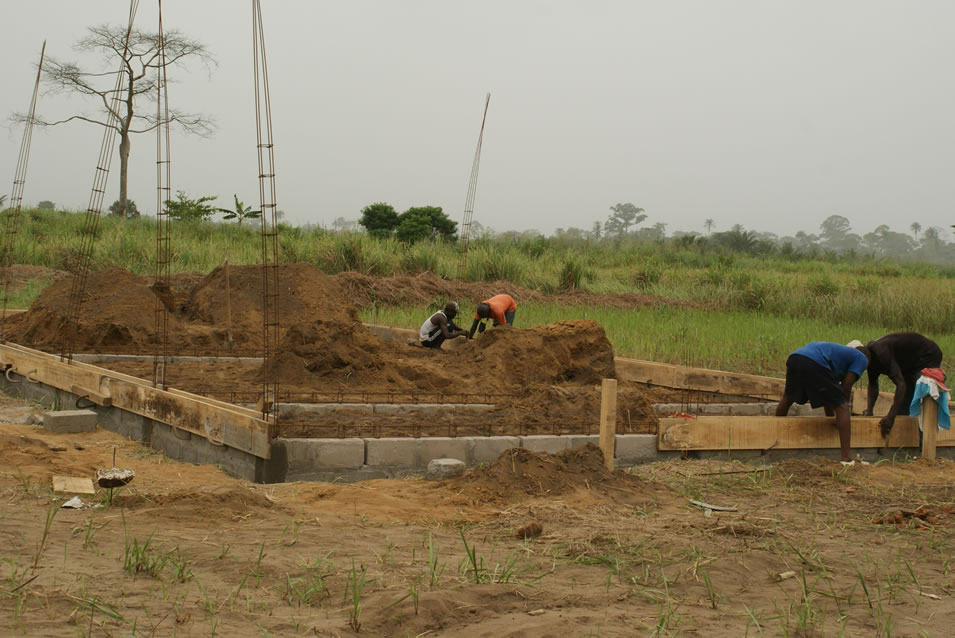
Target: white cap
{"type": "Point", "coordinates": [855, 343]}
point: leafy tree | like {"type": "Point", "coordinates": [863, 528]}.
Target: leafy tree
{"type": "Point", "coordinates": [120, 109]}
{"type": "Point", "coordinates": [837, 234]}
{"type": "Point", "coordinates": [737, 239]}
{"type": "Point", "coordinates": [131, 210]}
{"type": "Point", "coordinates": [380, 220]}
{"type": "Point", "coordinates": [425, 222]}
{"type": "Point", "coordinates": [240, 212]}
{"type": "Point", "coordinates": [185, 209]}
{"type": "Point", "coordinates": [46, 205]}
{"type": "Point", "coordinates": [624, 216]}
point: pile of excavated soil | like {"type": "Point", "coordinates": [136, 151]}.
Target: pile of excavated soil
{"type": "Point", "coordinates": [541, 375]}
{"type": "Point", "coordinates": [521, 472]}
{"type": "Point", "coordinates": [118, 310]}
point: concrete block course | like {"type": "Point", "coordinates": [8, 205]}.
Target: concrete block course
{"type": "Point", "coordinates": [69, 421]}
{"type": "Point", "coordinates": [545, 443]}
{"type": "Point", "coordinates": [440, 447]}
{"type": "Point", "coordinates": [486, 449]}
{"type": "Point", "coordinates": [327, 454]}
{"type": "Point", "coordinates": [399, 452]}
{"type": "Point", "coordinates": [632, 449]}
{"type": "Point", "coordinates": [580, 440]}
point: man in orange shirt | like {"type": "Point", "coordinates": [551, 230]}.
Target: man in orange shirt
{"type": "Point", "coordinates": [499, 308]}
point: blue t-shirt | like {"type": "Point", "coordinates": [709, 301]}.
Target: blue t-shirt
{"type": "Point", "coordinates": [835, 358]}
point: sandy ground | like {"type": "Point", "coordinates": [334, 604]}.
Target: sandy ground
{"type": "Point", "coordinates": [186, 550]}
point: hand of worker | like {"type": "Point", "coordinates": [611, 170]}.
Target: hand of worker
{"type": "Point", "coordinates": [885, 424]}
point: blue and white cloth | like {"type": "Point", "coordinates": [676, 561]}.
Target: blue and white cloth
{"type": "Point", "coordinates": [928, 387]}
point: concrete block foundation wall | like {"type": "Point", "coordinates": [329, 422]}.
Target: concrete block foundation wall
{"type": "Point", "coordinates": [355, 459]}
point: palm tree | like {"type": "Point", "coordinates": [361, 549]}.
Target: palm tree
{"type": "Point", "coordinates": [708, 225]}
{"type": "Point", "coordinates": [916, 229]}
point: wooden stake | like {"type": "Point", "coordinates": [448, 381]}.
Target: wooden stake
{"type": "Point", "coordinates": [608, 420]}
{"type": "Point", "coordinates": [929, 427]}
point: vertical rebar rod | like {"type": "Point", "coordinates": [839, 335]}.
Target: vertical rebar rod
{"type": "Point", "coordinates": [269, 227]}
{"type": "Point", "coordinates": [163, 193]}
{"type": "Point", "coordinates": [81, 269]}
{"type": "Point", "coordinates": [464, 236]}
{"type": "Point", "coordinates": [12, 226]}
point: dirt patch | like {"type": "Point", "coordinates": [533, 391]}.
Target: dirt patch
{"type": "Point", "coordinates": [619, 554]}
{"type": "Point", "coordinates": [519, 472]}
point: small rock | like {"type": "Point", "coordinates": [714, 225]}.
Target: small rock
{"type": "Point", "coordinates": [56, 447]}
{"type": "Point", "coordinates": [531, 530]}
{"type": "Point", "coordinates": [444, 468]}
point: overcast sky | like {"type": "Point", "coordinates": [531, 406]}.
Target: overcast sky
{"type": "Point", "coordinates": [773, 115]}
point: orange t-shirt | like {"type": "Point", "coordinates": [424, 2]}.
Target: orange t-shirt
{"type": "Point", "coordinates": [499, 304]}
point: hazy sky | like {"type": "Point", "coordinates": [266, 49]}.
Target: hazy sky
{"type": "Point", "coordinates": [770, 114]}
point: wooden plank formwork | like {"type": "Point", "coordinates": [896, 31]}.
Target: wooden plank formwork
{"type": "Point", "coordinates": [784, 433]}
{"type": "Point", "coordinates": [217, 421]}
{"type": "Point", "coordinates": [729, 383]}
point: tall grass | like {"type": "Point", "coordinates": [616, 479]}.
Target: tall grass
{"type": "Point", "coordinates": [753, 342]}
{"type": "Point", "coordinates": [855, 295]}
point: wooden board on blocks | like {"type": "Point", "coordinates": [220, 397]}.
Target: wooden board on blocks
{"type": "Point", "coordinates": [784, 433]}
{"type": "Point", "coordinates": [73, 485]}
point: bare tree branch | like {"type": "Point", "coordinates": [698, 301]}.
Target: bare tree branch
{"type": "Point", "coordinates": [138, 58]}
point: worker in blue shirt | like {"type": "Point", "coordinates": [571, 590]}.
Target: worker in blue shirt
{"type": "Point", "coordinates": [823, 373]}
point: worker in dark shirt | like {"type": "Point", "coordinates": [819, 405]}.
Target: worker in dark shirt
{"type": "Point", "coordinates": [901, 357]}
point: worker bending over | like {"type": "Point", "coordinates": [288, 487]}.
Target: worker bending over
{"type": "Point", "coordinates": [901, 356]}
{"type": "Point", "coordinates": [440, 326]}
{"type": "Point", "coordinates": [822, 373]}
{"type": "Point", "coordinates": [499, 308]}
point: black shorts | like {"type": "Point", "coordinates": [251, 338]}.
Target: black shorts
{"type": "Point", "coordinates": [806, 380]}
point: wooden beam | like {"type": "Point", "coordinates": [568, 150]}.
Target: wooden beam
{"type": "Point", "coordinates": [220, 422]}
{"type": "Point", "coordinates": [730, 383]}
{"type": "Point", "coordinates": [73, 485]}
{"type": "Point", "coordinates": [929, 427]}
{"type": "Point", "coordinates": [608, 420]}
{"type": "Point", "coordinates": [783, 433]}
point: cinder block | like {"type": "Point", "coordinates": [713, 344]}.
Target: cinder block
{"type": "Point", "coordinates": [444, 468]}
{"type": "Point", "coordinates": [547, 443]}
{"type": "Point", "coordinates": [632, 449]}
{"type": "Point", "coordinates": [69, 421]}
{"type": "Point", "coordinates": [490, 447]}
{"type": "Point", "coordinates": [324, 454]}
{"type": "Point", "coordinates": [580, 440]}
{"type": "Point", "coordinates": [441, 447]}
{"type": "Point", "coordinates": [391, 452]}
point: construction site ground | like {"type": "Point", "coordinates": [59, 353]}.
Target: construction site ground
{"type": "Point", "coordinates": [805, 547]}
{"type": "Point", "coordinates": [544, 379]}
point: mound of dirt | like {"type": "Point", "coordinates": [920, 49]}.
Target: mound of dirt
{"type": "Point", "coordinates": [324, 347]}
{"type": "Point", "coordinates": [521, 472]}
{"type": "Point", "coordinates": [118, 310]}
{"type": "Point", "coordinates": [576, 352]}
{"type": "Point", "coordinates": [305, 294]}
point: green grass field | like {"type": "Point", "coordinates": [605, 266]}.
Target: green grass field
{"type": "Point", "coordinates": [752, 310]}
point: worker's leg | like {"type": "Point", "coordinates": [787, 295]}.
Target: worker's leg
{"type": "Point", "coordinates": [843, 425]}
{"type": "Point", "coordinates": [510, 317]}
